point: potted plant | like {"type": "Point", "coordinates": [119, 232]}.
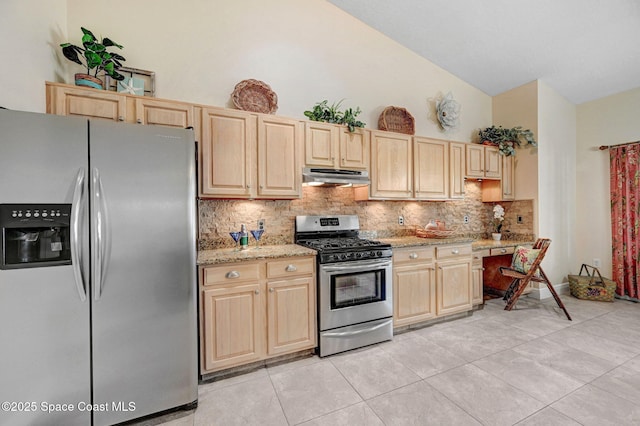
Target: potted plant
{"type": "Point", "coordinates": [497, 221]}
{"type": "Point", "coordinates": [506, 139]}
{"type": "Point", "coordinates": [96, 57]}
{"type": "Point", "coordinates": [331, 114]}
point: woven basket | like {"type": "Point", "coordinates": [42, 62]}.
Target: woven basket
{"type": "Point", "coordinates": [255, 96]}
{"type": "Point", "coordinates": [435, 233]}
{"type": "Point", "coordinates": [396, 119]}
{"type": "Point", "coordinates": [592, 286]}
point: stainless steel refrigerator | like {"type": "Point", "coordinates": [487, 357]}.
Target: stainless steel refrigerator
{"type": "Point", "coordinates": [98, 302]}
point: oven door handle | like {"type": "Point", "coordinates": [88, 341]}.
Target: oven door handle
{"type": "Point", "coordinates": [362, 265]}
{"type": "Point", "coordinates": [356, 332]}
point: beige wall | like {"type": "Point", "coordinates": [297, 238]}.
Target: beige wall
{"type": "Point", "coordinates": [307, 51]}
{"type": "Point", "coordinates": [557, 180]}
{"type": "Point", "coordinates": [607, 121]}
{"type": "Point", "coordinates": [546, 174]}
{"type": "Point", "coordinates": [30, 31]}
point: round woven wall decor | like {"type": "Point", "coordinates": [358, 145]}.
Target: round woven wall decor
{"type": "Point", "coordinates": [255, 96]}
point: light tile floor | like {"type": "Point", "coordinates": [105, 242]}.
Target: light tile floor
{"type": "Point", "coordinates": [530, 366]}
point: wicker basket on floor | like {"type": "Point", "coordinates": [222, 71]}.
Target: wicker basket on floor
{"type": "Point", "coordinates": [592, 286]}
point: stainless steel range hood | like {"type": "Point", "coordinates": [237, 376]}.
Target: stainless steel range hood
{"type": "Point", "coordinates": [334, 177]}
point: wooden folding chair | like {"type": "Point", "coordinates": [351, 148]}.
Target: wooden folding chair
{"type": "Point", "coordinates": [535, 273]}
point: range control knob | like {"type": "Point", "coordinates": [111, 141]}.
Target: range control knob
{"type": "Point", "coordinates": [379, 253]}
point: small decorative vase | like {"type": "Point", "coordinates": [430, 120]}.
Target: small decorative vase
{"type": "Point", "coordinates": [496, 236]}
{"type": "Point", "coordinates": [89, 81]}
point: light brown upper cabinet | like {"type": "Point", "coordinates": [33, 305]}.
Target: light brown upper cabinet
{"type": "Point", "coordinates": [228, 153]}
{"type": "Point", "coordinates": [391, 166]}
{"type": "Point", "coordinates": [248, 155]}
{"type": "Point", "coordinates": [503, 189]}
{"type": "Point", "coordinates": [334, 146]}
{"type": "Point", "coordinates": [416, 168]}
{"type": "Point", "coordinates": [483, 162]}
{"type": "Point", "coordinates": [63, 99]}
{"type": "Point", "coordinates": [456, 169]}
{"type": "Point", "coordinates": [430, 169]}
{"type": "Point", "coordinates": [279, 157]}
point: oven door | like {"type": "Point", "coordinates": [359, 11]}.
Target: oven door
{"type": "Point", "coordinates": [354, 292]}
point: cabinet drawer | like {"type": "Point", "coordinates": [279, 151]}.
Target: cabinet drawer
{"type": "Point", "coordinates": [412, 254]}
{"type": "Point", "coordinates": [478, 255]}
{"type": "Point", "coordinates": [501, 251]}
{"type": "Point", "coordinates": [232, 273]}
{"type": "Point", "coordinates": [450, 252]}
{"type": "Point", "coordinates": [290, 267]}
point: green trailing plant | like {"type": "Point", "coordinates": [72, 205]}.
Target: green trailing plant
{"type": "Point", "coordinates": [95, 55]}
{"type": "Point", "coordinates": [322, 111]}
{"type": "Point", "coordinates": [507, 139]}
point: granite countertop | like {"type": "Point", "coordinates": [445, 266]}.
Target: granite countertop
{"type": "Point", "coordinates": [228, 255]}
{"type": "Point", "coordinates": [413, 241]}
{"type": "Point", "coordinates": [489, 244]}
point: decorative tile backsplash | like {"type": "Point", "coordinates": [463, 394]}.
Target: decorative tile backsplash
{"type": "Point", "coordinates": [219, 217]}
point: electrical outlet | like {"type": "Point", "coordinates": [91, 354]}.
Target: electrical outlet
{"type": "Point", "coordinates": [400, 220]}
{"type": "Point", "coordinates": [596, 262]}
{"type": "Point", "coordinates": [520, 220]}
{"type": "Point", "coordinates": [465, 219]}
{"type": "Point", "coordinates": [260, 223]}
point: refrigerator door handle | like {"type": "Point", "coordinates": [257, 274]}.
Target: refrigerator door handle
{"type": "Point", "coordinates": [76, 256]}
{"type": "Point", "coordinates": [101, 237]}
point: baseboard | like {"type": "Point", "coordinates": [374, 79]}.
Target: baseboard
{"type": "Point", "coordinates": [544, 293]}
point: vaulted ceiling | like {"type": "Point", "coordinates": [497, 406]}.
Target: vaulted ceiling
{"type": "Point", "coordinates": [583, 49]}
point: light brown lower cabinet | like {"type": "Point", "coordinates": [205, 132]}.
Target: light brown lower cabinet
{"type": "Point", "coordinates": [476, 276]}
{"type": "Point", "coordinates": [251, 311]}
{"type": "Point", "coordinates": [414, 286]}
{"type": "Point", "coordinates": [430, 282]}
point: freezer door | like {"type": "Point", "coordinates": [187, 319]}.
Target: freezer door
{"type": "Point", "coordinates": [44, 323]}
{"type": "Point", "coordinates": [144, 326]}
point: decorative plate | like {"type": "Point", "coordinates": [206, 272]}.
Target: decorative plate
{"type": "Point", "coordinates": [255, 96]}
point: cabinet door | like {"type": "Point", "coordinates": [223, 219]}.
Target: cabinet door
{"type": "Point", "coordinates": [508, 178]}
{"type": "Point", "coordinates": [431, 169]}
{"type": "Point", "coordinates": [454, 292]}
{"type": "Point", "coordinates": [228, 153]}
{"type": "Point", "coordinates": [321, 144]}
{"type": "Point", "coordinates": [476, 279]}
{"type": "Point", "coordinates": [492, 162]}
{"type": "Point", "coordinates": [414, 294]}
{"type": "Point", "coordinates": [456, 169]}
{"type": "Point", "coordinates": [233, 322]}
{"type": "Point", "coordinates": [391, 165]}
{"type": "Point", "coordinates": [354, 149]}
{"type": "Point", "coordinates": [474, 160]}
{"type": "Point", "coordinates": [173, 114]}
{"type": "Point", "coordinates": [86, 102]}
{"type": "Point", "coordinates": [279, 165]}
{"type": "Point", "coordinates": [291, 313]}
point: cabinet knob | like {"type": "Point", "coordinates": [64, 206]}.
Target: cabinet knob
{"type": "Point", "coordinates": [291, 268]}
{"type": "Point", "coordinates": [271, 290]}
{"type": "Point", "coordinates": [503, 250]}
{"type": "Point", "coordinates": [232, 274]}
{"type": "Point", "coordinates": [257, 292]}
{"type": "Point", "coordinates": [120, 118]}
{"type": "Point", "coordinates": [139, 121]}
{"type": "Point", "coordinates": [413, 256]}
{"type": "Point", "coordinates": [456, 251]}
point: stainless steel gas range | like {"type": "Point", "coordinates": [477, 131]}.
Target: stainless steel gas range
{"type": "Point", "coordinates": [355, 293]}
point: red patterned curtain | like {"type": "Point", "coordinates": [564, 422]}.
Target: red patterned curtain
{"type": "Point", "coordinates": [625, 218]}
